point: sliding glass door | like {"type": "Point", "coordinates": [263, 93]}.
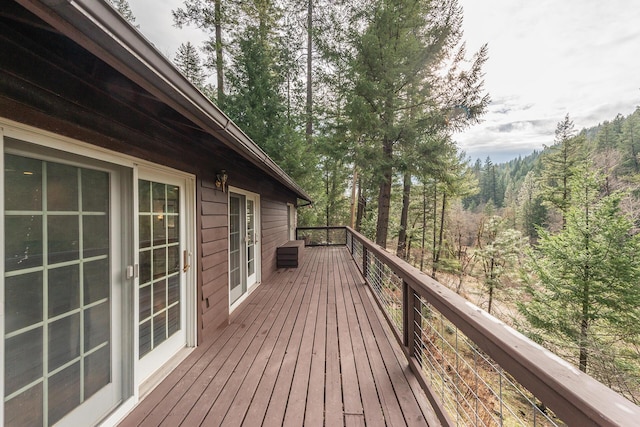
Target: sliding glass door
{"type": "Point", "coordinates": [61, 292]}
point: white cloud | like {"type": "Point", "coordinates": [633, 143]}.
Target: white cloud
{"type": "Point", "coordinates": [547, 59]}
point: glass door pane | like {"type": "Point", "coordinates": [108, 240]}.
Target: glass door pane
{"type": "Point", "coordinates": [251, 237]}
{"type": "Point", "coordinates": [57, 289]}
{"type": "Point", "coordinates": [236, 248]}
{"type": "Point", "coordinates": [159, 254]}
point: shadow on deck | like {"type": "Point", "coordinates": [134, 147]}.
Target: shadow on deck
{"type": "Point", "coordinates": [307, 347]}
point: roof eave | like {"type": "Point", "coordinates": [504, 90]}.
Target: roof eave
{"type": "Point", "coordinates": [101, 30]}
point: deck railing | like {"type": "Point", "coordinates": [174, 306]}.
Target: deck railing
{"type": "Point", "coordinates": [476, 370]}
{"type": "Point", "coordinates": [322, 236]}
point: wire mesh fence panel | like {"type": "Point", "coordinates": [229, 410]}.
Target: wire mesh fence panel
{"type": "Point", "coordinates": [387, 287]}
{"type": "Point", "coordinates": [473, 389]}
{"type": "Point", "coordinates": [358, 250]}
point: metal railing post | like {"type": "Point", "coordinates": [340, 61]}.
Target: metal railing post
{"type": "Point", "coordinates": [365, 262]}
{"type": "Point", "coordinates": [406, 313]}
{"type": "Point", "coordinates": [353, 246]}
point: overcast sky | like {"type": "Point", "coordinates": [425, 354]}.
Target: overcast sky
{"type": "Point", "coordinates": [547, 58]}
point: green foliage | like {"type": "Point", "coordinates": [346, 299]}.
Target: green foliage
{"type": "Point", "coordinates": [585, 285]}
{"type": "Point", "coordinates": [123, 7]}
{"type": "Point", "coordinates": [499, 249]}
{"type": "Point", "coordinates": [558, 163]}
{"type": "Point", "coordinates": [399, 100]}
{"type": "Point", "coordinates": [531, 212]}
{"type": "Point", "coordinates": [188, 62]}
{"type": "Point", "coordinates": [256, 101]}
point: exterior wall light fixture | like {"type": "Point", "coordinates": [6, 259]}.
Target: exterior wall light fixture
{"type": "Point", "coordinates": [221, 180]}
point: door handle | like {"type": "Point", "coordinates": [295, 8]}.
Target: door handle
{"type": "Point", "coordinates": [186, 257]}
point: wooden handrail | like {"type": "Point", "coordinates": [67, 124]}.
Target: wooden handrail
{"type": "Point", "coordinates": [575, 397]}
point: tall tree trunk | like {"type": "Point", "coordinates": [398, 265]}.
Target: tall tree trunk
{"type": "Point", "coordinates": [309, 106]}
{"type": "Point", "coordinates": [362, 206]}
{"type": "Point", "coordinates": [401, 250]}
{"type": "Point", "coordinates": [584, 343]}
{"type": "Point", "coordinates": [219, 60]}
{"type": "Point", "coordinates": [586, 297]}
{"type": "Point", "coordinates": [440, 234]}
{"type": "Point", "coordinates": [434, 267]}
{"type": "Point", "coordinates": [354, 200]}
{"type": "Point", "coordinates": [491, 286]}
{"type": "Point", "coordinates": [384, 195]}
{"type": "Point", "coordinates": [634, 155]}
{"type": "Point", "coordinates": [424, 224]}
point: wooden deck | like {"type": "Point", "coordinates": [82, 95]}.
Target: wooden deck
{"type": "Point", "coordinates": [308, 347]}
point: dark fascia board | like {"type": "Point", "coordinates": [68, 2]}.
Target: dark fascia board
{"type": "Point", "coordinates": [100, 29]}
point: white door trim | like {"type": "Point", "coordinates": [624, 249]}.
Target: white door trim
{"type": "Point", "coordinates": [257, 245]}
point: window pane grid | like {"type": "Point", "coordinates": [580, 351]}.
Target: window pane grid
{"type": "Point", "coordinates": [159, 219]}
{"type": "Point", "coordinates": [66, 195]}
{"type": "Point", "coordinates": [55, 318]}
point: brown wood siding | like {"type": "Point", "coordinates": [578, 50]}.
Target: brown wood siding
{"type": "Point", "coordinates": [213, 267]}
{"type": "Point", "coordinates": [213, 277]}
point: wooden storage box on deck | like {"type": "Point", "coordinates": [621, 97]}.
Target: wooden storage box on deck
{"type": "Point", "coordinates": [290, 254]}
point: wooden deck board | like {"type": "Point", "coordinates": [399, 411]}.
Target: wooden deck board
{"type": "Point", "coordinates": [295, 406]}
{"type": "Point", "coordinates": [279, 334]}
{"type": "Point", "coordinates": [353, 409]}
{"type": "Point", "coordinates": [333, 381]}
{"type": "Point", "coordinates": [308, 347]}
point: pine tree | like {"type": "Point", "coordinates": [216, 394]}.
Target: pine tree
{"type": "Point", "coordinates": [402, 45]}
{"type": "Point", "coordinates": [531, 211]}
{"type": "Point", "coordinates": [123, 7]}
{"type": "Point", "coordinates": [188, 62]}
{"type": "Point", "coordinates": [558, 163]}
{"type": "Point", "coordinates": [498, 249]}
{"type": "Point", "coordinates": [584, 289]}
{"type": "Point", "coordinates": [210, 16]}
{"type": "Point", "coordinates": [630, 141]}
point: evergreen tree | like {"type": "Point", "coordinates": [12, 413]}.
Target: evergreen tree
{"type": "Point", "coordinates": [531, 211]}
{"type": "Point", "coordinates": [212, 17]}
{"type": "Point", "coordinates": [123, 7]}
{"type": "Point", "coordinates": [498, 249]}
{"type": "Point", "coordinates": [188, 62]}
{"type": "Point", "coordinates": [558, 163]}
{"type": "Point", "coordinates": [630, 141]}
{"type": "Point", "coordinates": [404, 42]}
{"type": "Point", "coordinates": [585, 284]}
{"type": "Point", "coordinates": [257, 99]}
